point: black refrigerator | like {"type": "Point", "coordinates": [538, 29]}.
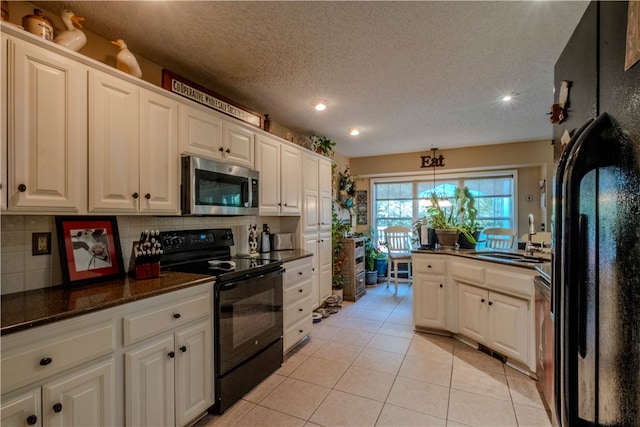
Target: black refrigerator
{"type": "Point", "coordinates": [596, 225]}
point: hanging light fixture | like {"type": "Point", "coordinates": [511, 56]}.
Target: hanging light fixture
{"type": "Point", "coordinates": [442, 201]}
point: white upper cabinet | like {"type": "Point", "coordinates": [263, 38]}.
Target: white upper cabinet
{"type": "Point", "coordinates": [133, 148]}
{"type": "Point", "coordinates": [47, 129]}
{"type": "Point", "coordinates": [200, 132]}
{"type": "Point", "coordinates": [3, 126]}
{"type": "Point", "coordinates": [237, 145]}
{"type": "Point", "coordinates": [280, 170]}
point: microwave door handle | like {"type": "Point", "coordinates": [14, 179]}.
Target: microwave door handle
{"type": "Point", "coordinates": [244, 190]}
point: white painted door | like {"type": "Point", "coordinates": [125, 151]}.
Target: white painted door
{"type": "Point", "coordinates": [311, 212]}
{"type": "Point", "coordinates": [311, 243]}
{"type": "Point", "coordinates": [326, 200]}
{"type": "Point", "coordinates": [22, 410]}
{"type": "Point", "coordinates": [200, 132]}
{"type": "Point", "coordinates": [85, 398]}
{"type": "Point", "coordinates": [159, 157]}
{"type": "Point", "coordinates": [3, 124]}
{"type": "Point", "coordinates": [290, 180]}
{"type": "Point", "coordinates": [268, 164]}
{"type": "Point", "coordinates": [47, 128]}
{"type": "Point", "coordinates": [193, 372]}
{"type": "Point", "coordinates": [509, 326]}
{"type": "Point", "coordinates": [149, 382]}
{"type": "Point", "coordinates": [237, 145]}
{"type": "Point", "coordinates": [326, 265]}
{"type": "Point", "coordinates": [429, 301]}
{"type": "Point", "coordinates": [473, 312]}
{"type": "Point", "coordinates": [114, 142]}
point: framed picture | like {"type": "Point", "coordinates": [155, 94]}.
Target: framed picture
{"type": "Point", "coordinates": [89, 248]}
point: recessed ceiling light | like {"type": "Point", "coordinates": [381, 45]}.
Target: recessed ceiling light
{"type": "Point", "coordinates": [354, 131]}
{"type": "Point", "coordinates": [508, 97]}
{"type": "Point", "coordinates": [319, 104]}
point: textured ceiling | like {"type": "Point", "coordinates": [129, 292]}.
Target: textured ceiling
{"type": "Point", "coordinates": [410, 75]}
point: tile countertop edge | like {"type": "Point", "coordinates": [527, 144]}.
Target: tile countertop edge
{"type": "Point", "coordinates": [473, 254]}
{"type": "Point", "coordinates": [24, 310]}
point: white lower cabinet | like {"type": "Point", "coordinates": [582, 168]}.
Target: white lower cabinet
{"type": "Point", "coordinates": [168, 379]}
{"type": "Point", "coordinates": [320, 245]}
{"type": "Point", "coordinates": [81, 398]}
{"type": "Point", "coordinates": [429, 301]}
{"type": "Point", "coordinates": [297, 303]}
{"type": "Point", "coordinates": [496, 320]}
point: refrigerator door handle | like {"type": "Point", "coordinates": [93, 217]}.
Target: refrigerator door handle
{"type": "Point", "coordinates": [582, 285]}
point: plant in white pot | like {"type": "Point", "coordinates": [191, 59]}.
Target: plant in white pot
{"type": "Point", "coordinates": [446, 221]}
{"type": "Point", "coordinates": [370, 256]}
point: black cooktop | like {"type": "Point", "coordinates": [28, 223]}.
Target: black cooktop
{"type": "Point", "coordinates": [190, 251]}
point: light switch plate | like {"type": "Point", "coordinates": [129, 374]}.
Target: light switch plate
{"type": "Point", "coordinates": [41, 243]}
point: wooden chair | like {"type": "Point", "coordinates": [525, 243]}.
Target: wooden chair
{"type": "Point", "coordinates": [398, 243]}
{"type": "Point", "coordinates": [499, 238]}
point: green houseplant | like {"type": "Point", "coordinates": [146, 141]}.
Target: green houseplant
{"type": "Point", "coordinates": [467, 214]}
{"type": "Point", "coordinates": [324, 146]}
{"type": "Point", "coordinates": [447, 221]}
{"type": "Point", "coordinates": [371, 254]}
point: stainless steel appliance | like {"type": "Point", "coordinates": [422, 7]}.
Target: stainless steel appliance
{"type": "Point", "coordinates": [214, 188]}
{"type": "Point", "coordinates": [282, 241]}
{"type": "Point", "coordinates": [247, 305]}
{"type": "Point", "coordinates": [596, 278]}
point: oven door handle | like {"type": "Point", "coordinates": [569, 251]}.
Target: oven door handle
{"type": "Point", "coordinates": [228, 286]}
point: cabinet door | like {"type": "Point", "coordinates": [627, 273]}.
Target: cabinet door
{"type": "Point", "coordinates": [3, 124]}
{"type": "Point", "coordinates": [149, 382]}
{"type": "Point", "coordinates": [509, 326]}
{"type": "Point", "coordinates": [237, 144]}
{"type": "Point", "coordinates": [268, 164]}
{"type": "Point", "coordinates": [22, 411]}
{"type": "Point", "coordinates": [84, 398]}
{"type": "Point", "coordinates": [429, 301]}
{"type": "Point", "coordinates": [326, 199]}
{"type": "Point", "coordinates": [193, 372]}
{"type": "Point", "coordinates": [114, 141]}
{"type": "Point", "coordinates": [290, 180]}
{"type": "Point", "coordinates": [47, 127]}
{"type": "Point", "coordinates": [473, 312]}
{"type": "Point", "coordinates": [200, 132]}
{"type": "Point", "coordinates": [311, 213]}
{"type": "Point", "coordinates": [326, 265]}
{"type": "Point", "coordinates": [159, 170]}
{"type": "Point", "coordinates": [311, 244]}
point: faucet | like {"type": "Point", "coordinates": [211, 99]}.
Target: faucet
{"type": "Point", "coordinates": [530, 248]}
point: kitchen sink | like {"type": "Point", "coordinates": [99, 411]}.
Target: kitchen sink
{"type": "Point", "coordinates": [510, 257]}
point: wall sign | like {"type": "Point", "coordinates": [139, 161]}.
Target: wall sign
{"type": "Point", "coordinates": [432, 161]}
{"type": "Point", "coordinates": [193, 91]}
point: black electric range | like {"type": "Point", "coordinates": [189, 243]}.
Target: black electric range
{"type": "Point", "coordinates": [201, 252]}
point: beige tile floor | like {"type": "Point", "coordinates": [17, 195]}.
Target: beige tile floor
{"type": "Point", "coordinates": [365, 366]}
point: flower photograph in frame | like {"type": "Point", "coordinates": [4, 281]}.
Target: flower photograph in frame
{"type": "Point", "coordinates": [89, 248]}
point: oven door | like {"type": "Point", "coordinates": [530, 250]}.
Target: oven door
{"type": "Point", "coordinates": [249, 318]}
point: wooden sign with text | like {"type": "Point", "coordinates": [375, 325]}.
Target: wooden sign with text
{"type": "Point", "coordinates": [432, 161]}
{"type": "Point", "coordinates": [193, 91]}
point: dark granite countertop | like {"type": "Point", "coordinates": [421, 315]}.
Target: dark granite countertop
{"type": "Point", "coordinates": [482, 254]}
{"type": "Point", "coordinates": [23, 310]}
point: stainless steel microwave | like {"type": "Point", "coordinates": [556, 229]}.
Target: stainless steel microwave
{"type": "Point", "coordinates": [215, 188]}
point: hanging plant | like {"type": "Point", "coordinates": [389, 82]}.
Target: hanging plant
{"type": "Point", "coordinates": [346, 196]}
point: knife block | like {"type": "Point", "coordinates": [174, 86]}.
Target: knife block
{"type": "Point", "coordinates": [139, 271]}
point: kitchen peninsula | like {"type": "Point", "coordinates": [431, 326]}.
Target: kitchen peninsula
{"type": "Point", "coordinates": [482, 297]}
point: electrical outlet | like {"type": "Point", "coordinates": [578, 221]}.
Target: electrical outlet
{"type": "Point", "coordinates": [40, 243]}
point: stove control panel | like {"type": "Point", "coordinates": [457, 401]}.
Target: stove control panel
{"type": "Point", "coordinates": [191, 240]}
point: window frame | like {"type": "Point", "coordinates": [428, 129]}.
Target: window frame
{"type": "Point", "coordinates": [459, 176]}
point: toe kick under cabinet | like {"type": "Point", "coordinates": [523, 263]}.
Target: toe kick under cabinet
{"type": "Point", "coordinates": [297, 301]}
{"type": "Point", "coordinates": [488, 303]}
{"type": "Point", "coordinates": [148, 362]}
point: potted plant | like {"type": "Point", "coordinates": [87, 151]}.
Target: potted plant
{"type": "Point", "coordinates": [467, 214]}
{"type": "Point", "coordinates": [324, 146]}
{"type": "Point", "coordinates": [370, 257]}
{"type": "Point", "coordinates": [337, 286]}
{"type": "Point", "coordinates": [446, 222]}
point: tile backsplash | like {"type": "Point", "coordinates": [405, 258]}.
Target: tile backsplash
{"type": "Point", "coordinates": [21, 271]}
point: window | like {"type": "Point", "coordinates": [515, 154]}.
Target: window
{"type": "Point", "coordinates": [403, 202]}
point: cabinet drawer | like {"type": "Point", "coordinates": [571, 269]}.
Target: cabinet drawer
{"type": "Point", "coordinates": [359, 267]}
{"type": "Point", "coordinates": [53, 355]}
{"type": "Point", "coordinates": [167, 316]}
{"type": "Point", "coordinates": [359, 253]}
{"type": "Point", "coordinates": [297, 271]}
{"type": "Point", "coordinates": [297, 332]}
{"type": "Point", "coordinates": [427, 265]}
{"type": "Point", "coordinates": [297, 311]}
{"type": "Point", "coordinates": [297, 292]}
{"type": "Point", "coordinates": [510, 281]}
{"type": "Point", "coordinates": [467, 272]}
